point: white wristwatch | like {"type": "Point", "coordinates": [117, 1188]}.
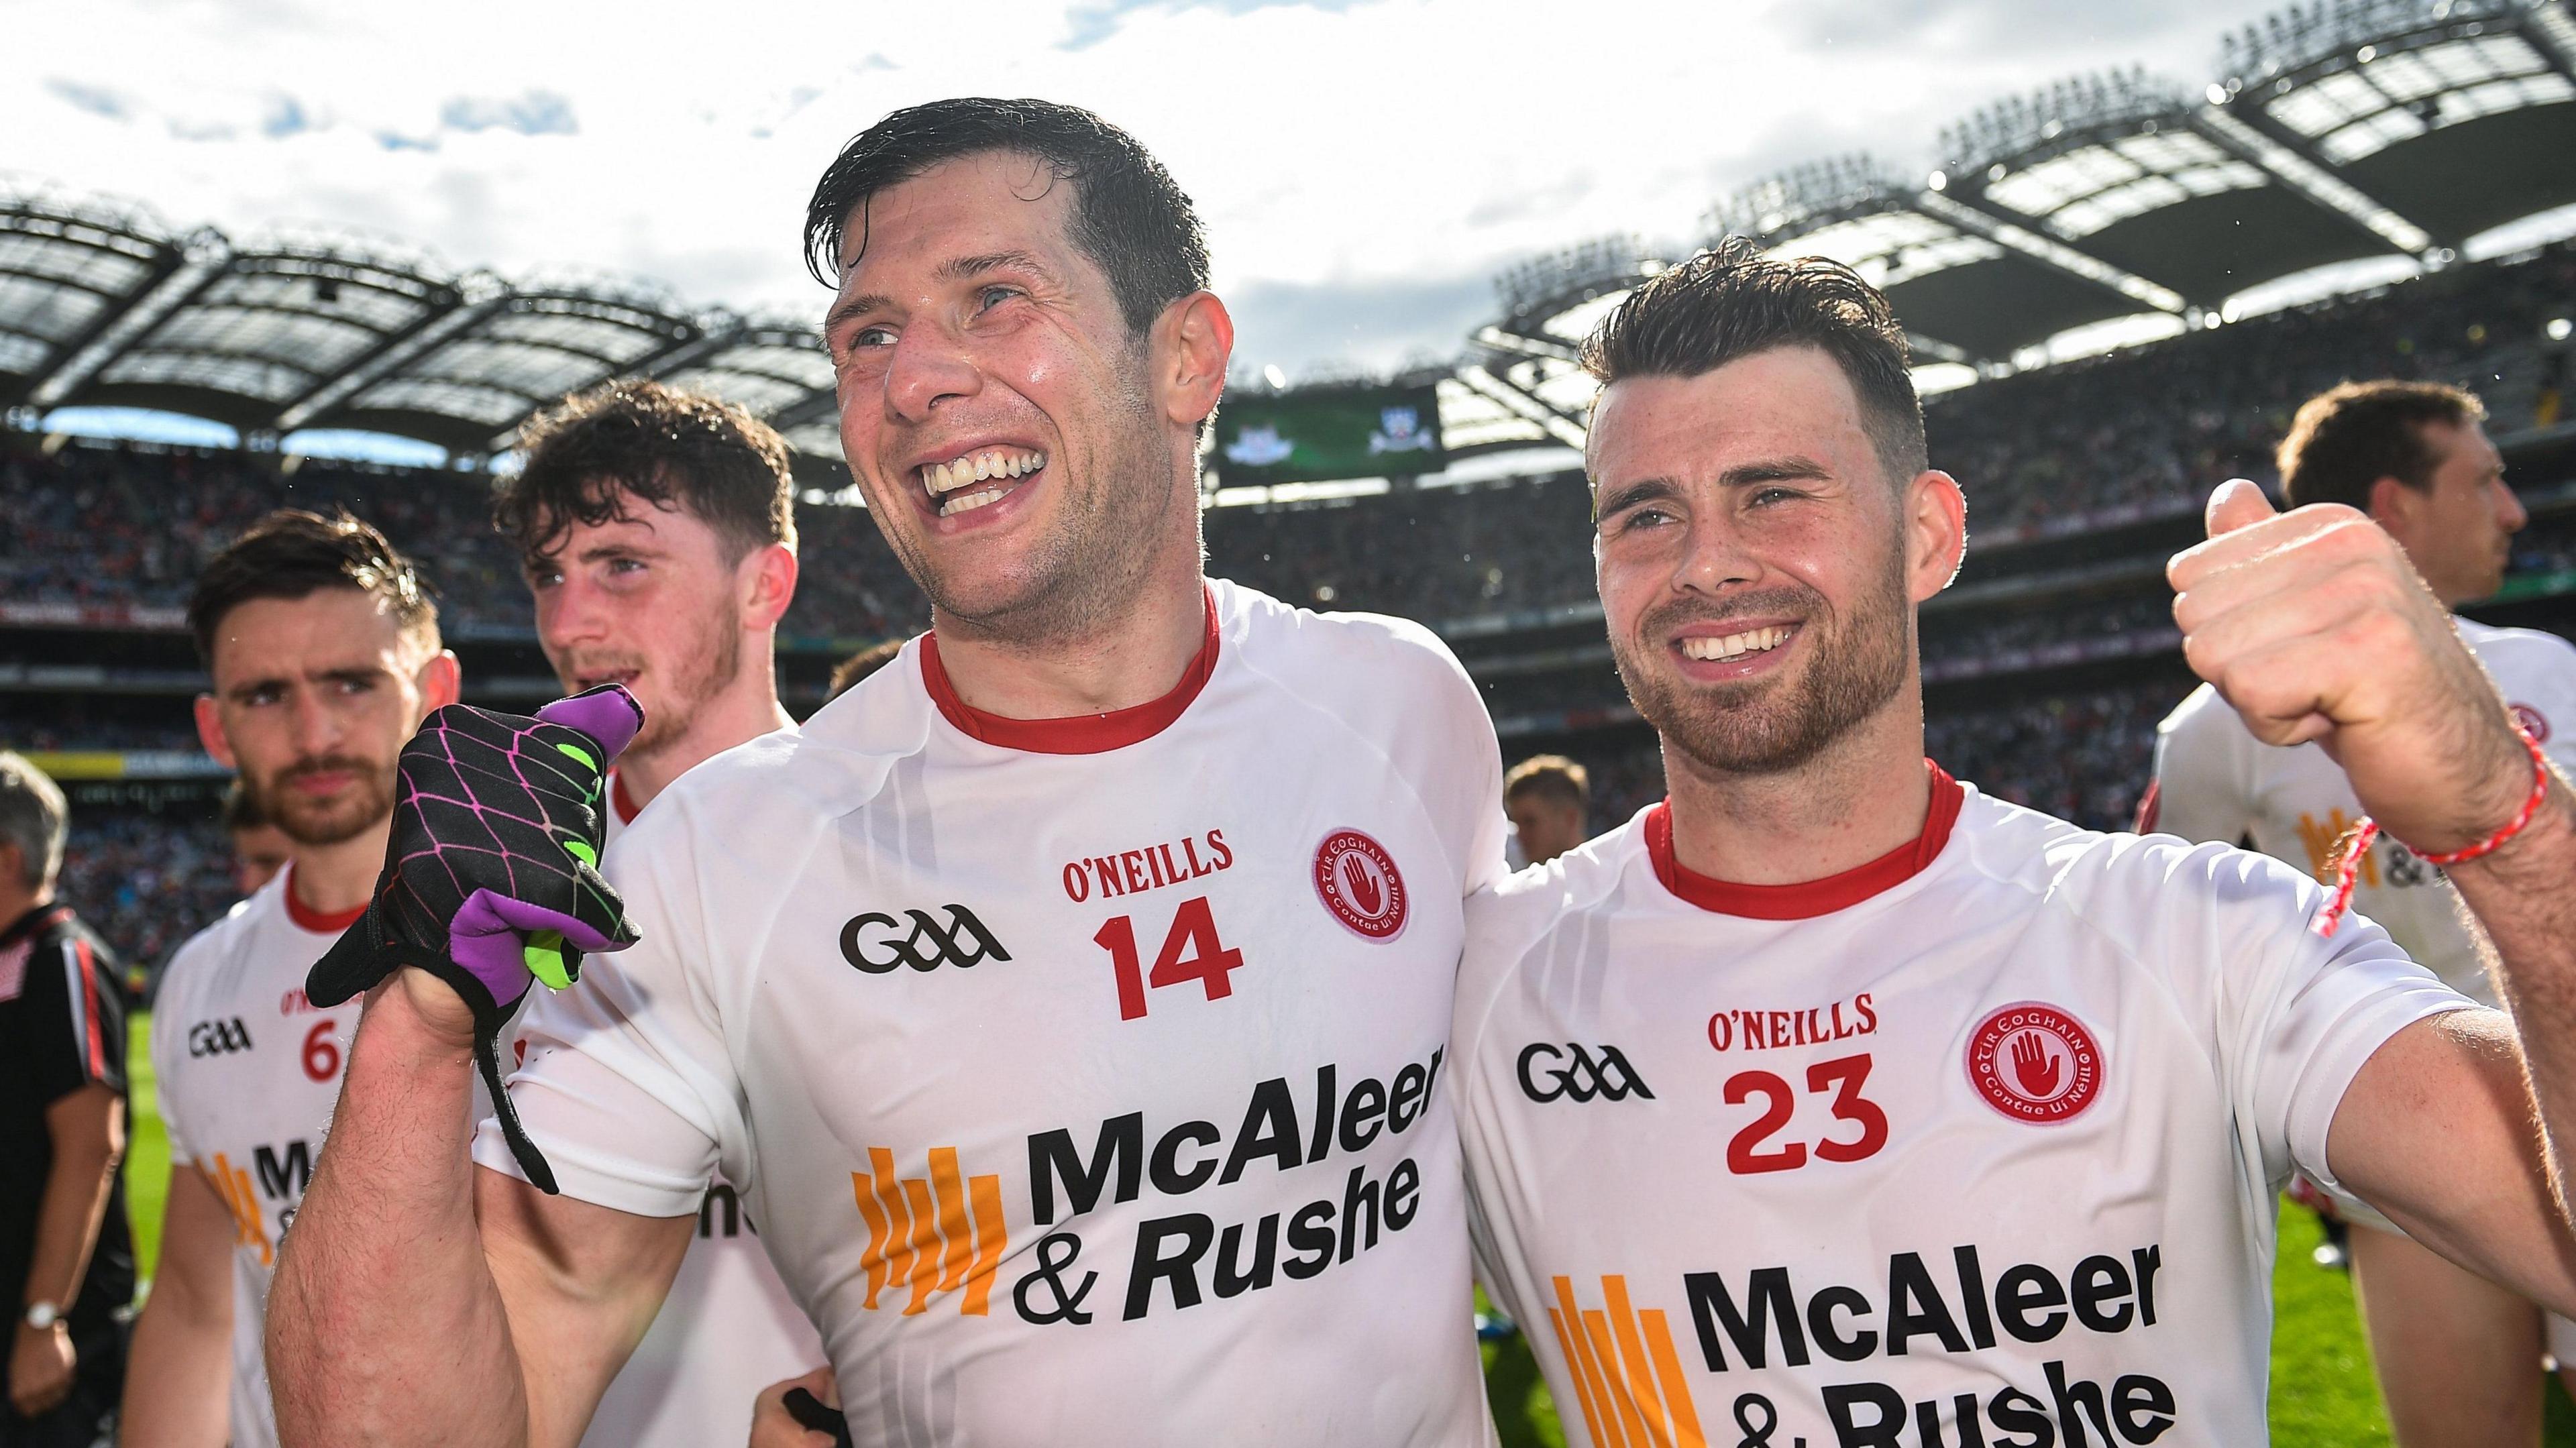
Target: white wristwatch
{"type": "Point", "coordinates": [42, 1315]}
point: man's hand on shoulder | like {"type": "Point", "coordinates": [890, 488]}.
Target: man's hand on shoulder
{"type": "Point", "coordinates": [2314, 627]}
{"type": "Point", "coordinates": [490, 877]}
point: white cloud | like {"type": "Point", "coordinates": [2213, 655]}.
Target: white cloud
{"type": "Point", "coordinates": [1369, 163]}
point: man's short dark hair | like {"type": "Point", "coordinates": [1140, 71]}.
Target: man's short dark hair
{"type": "Point", "coordinates": [2346, 438]}
{"type": "Point", "coordinates": [1549, 777]}
{"type": "Point", "coordinates": [242, 813]}
{"type": "Point", "coordinates": [589, 454]}
{"type": "Point", "coordinates": [1731, 302]}
{"type": "Point", "coordinates": [291, 554]}
{"type": "Point", "coordinates": [1129, 216]}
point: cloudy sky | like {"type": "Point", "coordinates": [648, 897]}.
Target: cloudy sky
{"type": "Point", "coordinates": [1365, 166]}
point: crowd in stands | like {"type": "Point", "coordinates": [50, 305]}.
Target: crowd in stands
{"type": "Point", "coordinates": [146, 882]}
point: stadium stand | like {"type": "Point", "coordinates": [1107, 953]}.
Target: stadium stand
{"type": "Point", "coordinates": [2342, 132]}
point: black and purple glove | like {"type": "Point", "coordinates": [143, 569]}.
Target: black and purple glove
{"type": "Point", "coordinates": [490, 878]}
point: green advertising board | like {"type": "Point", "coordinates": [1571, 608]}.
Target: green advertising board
{"type": "Point", "coordinates": [1323, 433]}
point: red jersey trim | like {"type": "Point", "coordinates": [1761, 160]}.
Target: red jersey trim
{"type": "Point", "coordinates": [97, 1044]}
{"type": "Point", "coordinates": [1808, 898]}
{"type": "Point", "coordinates": [1078, 733]}
{"type": "Point", "coordinates": [620, 801]}
{"type": "Point", "coordinates": [318, 921]}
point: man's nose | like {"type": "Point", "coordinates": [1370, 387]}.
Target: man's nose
{"type": "Point", "coordinates": [2510, 514]}
{"type": "Point", "coordinates": [930, 366]}
{"type": "Point", "coordinates": [1713, 557]}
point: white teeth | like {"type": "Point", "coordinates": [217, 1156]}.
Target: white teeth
{"type": "Point", "coordinates": [947, 477]}
{"type": "Point", "coordinates": [954, 506]}
{"type": "Point", "coordinates": [1731, 646]}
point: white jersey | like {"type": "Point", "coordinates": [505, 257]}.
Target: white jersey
{"type": "Point", "coordinates": [1979, 1143]}
{"type": "Point", "coordinates": [1086, 1077]}
{"type": "Point", "coordinates": [248, 1073]}
{"type": "Point", "coordinates": [726, 1330]}
{"type": "Point", "coordinates": [2216, 781]}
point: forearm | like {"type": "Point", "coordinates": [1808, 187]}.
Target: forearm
{"type": "Point", "coordinates": [384, 1325]}
{"type": "Point", "coordinates": [2524, 898]}
{"type": "Point", "coordinates": [77, 1187]}
{"type": "Point", "coordinates": [178, 1387]}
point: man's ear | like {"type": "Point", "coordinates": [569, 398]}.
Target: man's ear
{"type": "Point", "coordinates": [1936, 532]}
{"type": "Point", "coordinates": [1193, 345]}
{"type": "Point", "coordinates": [765, 581]}
{"type": "Point", "coordinates": [2394, 503]}
{"type": "Point", "coordinates": [441, 681]}
{"type": "Point", "coordinates": [210, 733]}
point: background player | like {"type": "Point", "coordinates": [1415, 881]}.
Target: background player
{"type": "Point", "coordinates": [1996, 1109]}
{"type": "Point", "coordinates": [657, 534]}
{"type": "Point", "coordinates": [260, 848]}
{"type": "Point", "coordinates": [1548, 799]}
{"type": "Point", "coordinates": [901, 959]}
{"type": "Point", "coordinates": [2455, 1353]}
{"type": "Point", "coordinates": [322, 647]}
{"type": "Point", "coordinates": [63, 1240]}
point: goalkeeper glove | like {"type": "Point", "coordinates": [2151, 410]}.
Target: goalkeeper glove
{"type": "Point", "coordinates": [490, 875]}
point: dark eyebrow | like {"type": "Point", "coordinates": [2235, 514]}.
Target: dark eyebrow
{"type": "Point", "coordinates": [1772, 470]}
{"type": "Point", "coordinates": [956, 268]}
{"type": "Point", "coordinates": [1629, 495]}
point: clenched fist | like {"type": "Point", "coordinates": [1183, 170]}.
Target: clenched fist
{"type": "Point", "coordinates": [2314, 626]}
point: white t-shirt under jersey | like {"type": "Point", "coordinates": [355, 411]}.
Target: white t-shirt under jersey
{"type": "Point", "coordinates": [2216, 781]}
{"type": "Point", "coordinates": [1086, 1076]}
{"type": "Point", "coordinates": [1990, 1128]}
{"type": "Point", "coordinates": [248, 1072]}
{"type": "Point", "coordinates": [727, 1329]}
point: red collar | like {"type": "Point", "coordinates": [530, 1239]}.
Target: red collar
{"type": "Point", "coordinates": [1808, 898]}
{"type": "Point", "coordinates": [317, 921]}
{"type": "Point", "coordinates": [1078, 733]}
{"type": "Point", "coordinates": [620, 801]}
{"type": "Point", "coordinates": [40, 917]}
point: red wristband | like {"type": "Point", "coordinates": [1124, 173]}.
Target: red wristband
{"type": "Point", "coordinates": [2348, 851]}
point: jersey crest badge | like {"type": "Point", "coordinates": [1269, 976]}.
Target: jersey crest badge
{"type": "Point", "coordinates": [1357, 881]}
{"type": "Point", "coordinates": [2533, 722]}
{"type": "Point", "coordinates": [2035, 1063]}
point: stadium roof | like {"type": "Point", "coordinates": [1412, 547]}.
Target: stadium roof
{"type": "Point", "coordinates": [2340, 130]}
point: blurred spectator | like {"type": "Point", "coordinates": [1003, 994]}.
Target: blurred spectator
{"type": "Point", "coordinates": [861, 664]}
{"type": "Point", "coordinates": [260, 848]}
{"type": "Point", "coordinates": [1548, 798]}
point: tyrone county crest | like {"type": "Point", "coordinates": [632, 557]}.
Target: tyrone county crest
{"type": "Point", "coordinates": [2035, 1063]}
{"type": "Point", "coordinates": [1357, 881]}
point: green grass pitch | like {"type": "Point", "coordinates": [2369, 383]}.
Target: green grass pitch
{"type": "Point", "coordinates": [2322, 1392]}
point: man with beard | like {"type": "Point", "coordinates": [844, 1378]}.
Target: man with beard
{"type": "Point", "coordinates": [1831, 1100]}
{"type": "Point", "coordinates": [1068, 1000]}
{"type": "Point", "coordinates": [658, 535]}
{"type": "Point", "coordinates": [2457, 1356]}
{"type": "Point", "coordinates": [323, 651]}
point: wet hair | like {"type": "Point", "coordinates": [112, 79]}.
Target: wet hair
{"type": "Point", "coordinates": [292, 554]}
{"type": "Point", "coordinates": [1129, 217]}
{"type": "Point", "coordinates": [589, 455]}
{"type": "Point", "coordinates": [1731, 302]}
{"type": "Point", "coordinates": [2346, 438]}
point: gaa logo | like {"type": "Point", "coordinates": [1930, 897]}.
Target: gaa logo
{"type": "Point", "coordinates": [217, 1038]}
{"type": "Point", "coordinates": [876, 942]}
{"type": "Point", "coordinates": [1548, 1072]}
{"type": "Point", "coordinates": [2034, 1063]}
{"type": "Point", "coordinates": [1357, 880]}
{"type": "Point", "coordinates": [2533, 722]}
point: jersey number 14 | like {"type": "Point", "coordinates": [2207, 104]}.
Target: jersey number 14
{"type": "Point", "coordinates": [1191, 951]}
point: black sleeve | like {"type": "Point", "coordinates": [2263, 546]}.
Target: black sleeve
{"type": "Point", "coordinates": [75, 1016]}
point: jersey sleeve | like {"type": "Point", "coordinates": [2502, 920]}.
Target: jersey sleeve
{"type": "Point", "coordinates": [2296, 1013]}
{"type": "Point", "coordinates": [2199, 792]}
{"type": "Point", "coordinates": [626, 1084]}
{"type": "Point", "coordinates": [76, 1017]}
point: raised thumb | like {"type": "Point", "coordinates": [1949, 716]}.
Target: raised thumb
{"type": "Point", "coordinates": [2237, 504]}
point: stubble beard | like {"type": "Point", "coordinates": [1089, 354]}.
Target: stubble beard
{"type": "Point", "coordinates": [699, 674]}
{"type": "Point", "coordinates": [1088, 572]}
{"type": "Point", "coordinates": [1773, 726]}
{"type": "Point", "coordinates": [315, 824]}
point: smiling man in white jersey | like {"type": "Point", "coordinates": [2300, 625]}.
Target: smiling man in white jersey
{"type": "Point", "coordinates": [2457, 1356]}
{"type": "Point", "coordinates": [1831, 1101]}
{"type": "Point", "coordinates": [1069, 1000]}
{"type": "Point", "coordinates": [657, 532]}
{"type": "Point", "coordinates": [323, 651]}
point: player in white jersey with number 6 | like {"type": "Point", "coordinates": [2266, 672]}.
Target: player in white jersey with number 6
{"type": "Point", "coordinates": [1069, 1001]}
{"type": "Point", "coordinates": [1831, 1101]}
{"type": "Point", "coordinates": [2457, 1356]}
{"type": "Point", "coordinates": [323, 651]}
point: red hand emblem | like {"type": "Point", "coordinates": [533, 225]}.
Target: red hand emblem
{"type": "Point", "coordinates": [2033, 1067]}
{"type": "Point", "coordinates": [1363, 887]}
